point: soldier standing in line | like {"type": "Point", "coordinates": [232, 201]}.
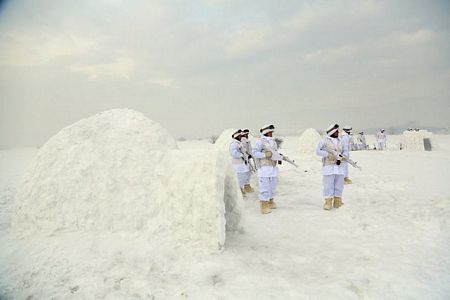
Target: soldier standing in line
{"type": "Point", "coordinates": [266, 154]}
{"type": "Point", "coordinates": [346, 138]}
{"type": "Point", "coordinates": [238, 159]}
{"type": "Point", "coordinates": [332, 168]}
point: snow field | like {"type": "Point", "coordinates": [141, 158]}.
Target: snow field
{"type": "Point", "coordinates": [389, 241]}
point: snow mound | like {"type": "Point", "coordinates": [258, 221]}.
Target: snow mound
{"type": "Point", "coordinates": [309, 140]}
{"type": "Point", "coordinates": [422, 140]}
{"type": "Point", "coordinates": [119, 171]}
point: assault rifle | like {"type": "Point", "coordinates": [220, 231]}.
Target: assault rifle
{"type": "Point", "coordinates": [246, 158]}
{"type": "Point", "coordinates": [279, 155]}
{"type": "Point", "coordinates": [342, 157]}
{"type": "Point", "coordinates": [291, 161]}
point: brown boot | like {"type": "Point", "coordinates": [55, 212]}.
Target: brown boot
{"type": "Point", "coordinates": [265, 207]}
{"type": "Point", "coordinates": [328, 204]}
{"type": "Point", "coordinates": [347, 180]}
{"type": "Point", "coordinates": [337, 202]}
{"type": "Point", "coordinates": [272, 203]}
{"type": "Point", "coordinates": [248, 188]}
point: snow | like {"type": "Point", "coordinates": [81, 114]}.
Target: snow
{"type": "Point", "coordinates": [389, 241]}
{"type": "Point", "coordinates": [105, 195]}
{"type": "Point", "coordinates": [308, 141]}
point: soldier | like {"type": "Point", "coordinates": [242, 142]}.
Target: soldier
{"type": "Point", "coordinates": [266, 154]}
{"type": "Point", "coordinates": [332, 168]}
{"type": "Point", "coordinates": [238, 160]}
{"type": "Point", "coordinates": [362, 145]}
{"type": "Point", "coordinates": [346, 147]}
{"type": "Point", "coordinates": [247, 150]}
{"type": "Point", "coordinates": [381, 140]}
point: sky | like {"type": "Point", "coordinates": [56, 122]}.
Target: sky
{"type": "Point", "coordinates": [199, 67]}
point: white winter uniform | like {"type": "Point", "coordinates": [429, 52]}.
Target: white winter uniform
{"type": "Point", "coordinates": [247, 147]}
{"type": "Point", "coordinates": [346, 147]}
{"type": "Point", "coordinates": [240, 168]}
{"type": "Point", "coordinates": [381, 141]}
{"type": "Point", "coordinates": [333, 175]}
{"type": "Point", "coordinates": [353, 144]}
{"type": "Point", "coordinates": [267, 167]}
{"type": "Point", "coordinates": [362, 142]}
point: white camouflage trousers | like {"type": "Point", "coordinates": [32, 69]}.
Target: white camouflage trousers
{"type": "Point", "coordinates": [381, 145]}
{"type": "Point", "coordinates": [345, 165]}
{"type": "Point", "coordinates": [267, 188]}
{"type": "Point", "coordinates": [243, 178]}
{"type": "Point", "coordinates": [333, 186]}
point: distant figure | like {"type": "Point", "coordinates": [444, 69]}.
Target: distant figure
{"type": "Point", "coordinates": [247, 150]}
{"type": "Point", "coordinates": [381, 140]}
{"type": "Point", "coordinates": [362, 145]}
{"type": "Point", "coordinates": [332, 169]}
{"type": "Point", "coordinates": [346, 140]}
{"type": "Point", "coordinates": [238, 160]}
{"type": "Point", "coordinates": [353, 143]}
{"type": "Point", "coordinates": [267, 156]}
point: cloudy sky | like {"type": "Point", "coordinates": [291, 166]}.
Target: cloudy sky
{"type": "Point", "coordinates": [198, 67]}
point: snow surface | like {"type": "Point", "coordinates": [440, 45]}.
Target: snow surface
{"type": "Point", "coordinates": [389, 241]}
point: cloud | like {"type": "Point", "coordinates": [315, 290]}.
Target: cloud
{"type": "Point", "coordinates": [121, 68]}
{"type": "Point", "coordinates": [422, 36]}
{"type": "Point", "coordinates": [164, 82]}
{"type": "Point", "coordinates": [19, 49]}
{"type": "Point", "coordinates": [247, 41]}
{"type": "Point", "coordinates": [387, 49]}
{"type": "Point", "coordinates": [331, 56]}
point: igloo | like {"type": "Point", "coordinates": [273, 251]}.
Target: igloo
{"type": "Point", "coordinates": [309, 140]}
{"type": "Point", "coordinates": [118, 171]}
{"type": "Point", "coordinates": [422, 140]}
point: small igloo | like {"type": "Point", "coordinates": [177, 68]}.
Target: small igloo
{"type": "Point", "coordinates": [421, 140]}
{"type": "Point", "coordinates": [119, 171]}
{"type": "Point", "coordinates": [309, 140]}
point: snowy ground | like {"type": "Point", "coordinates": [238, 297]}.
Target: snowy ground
{"type": "Point", "coordinates": [389, 241]}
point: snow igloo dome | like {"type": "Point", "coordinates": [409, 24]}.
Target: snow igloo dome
{"type": "Point", "coordinates": [120, 171]}
{"type": "Point", "coordinates": [309, 140]}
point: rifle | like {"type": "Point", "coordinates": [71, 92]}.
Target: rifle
{"type": "Point", "coordinates": [251, 161]}
{"type": "Point", "coordinates": [337, 154]}
{"type": "Point", "coordinates": [291, 161]}
{"type": "Point", "coordinates": [283, 157]}
{"type": "Point", "coordinates": [245, 158]}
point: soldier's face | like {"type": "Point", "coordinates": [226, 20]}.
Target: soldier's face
{"type": "Point", "coordinates": [336, 134]}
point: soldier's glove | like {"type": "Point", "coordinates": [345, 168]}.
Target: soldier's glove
{"type": "Point", "coordinates": [250, 157]}
{"type": "Point", "coordinates": [268, 154]}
